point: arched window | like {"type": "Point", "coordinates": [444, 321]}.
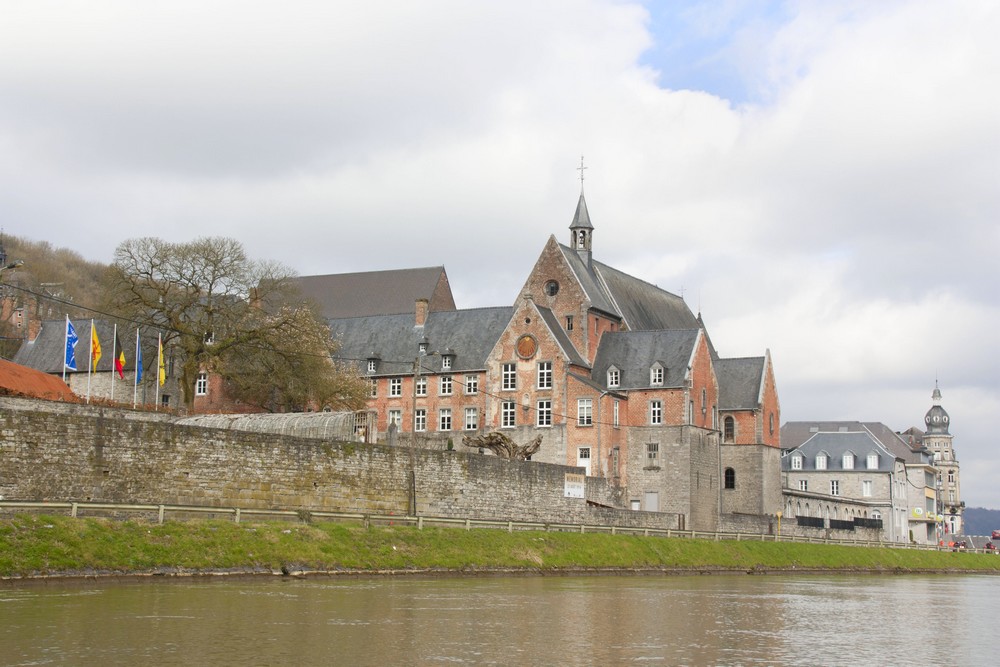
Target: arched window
{"type": "Point", "coordinates": [729, 434]}
{"type": "Point", "coordinates": [730, 478]}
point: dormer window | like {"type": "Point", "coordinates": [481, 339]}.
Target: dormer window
{"type": "Point", "coordinates": [848, 461]}
{"type": "Point", "coordinates": [872, 463]}
{"type": "Point", "coordinates": [796, 462]}
{"type": "Point", "coordinates": [446, 361]}
{"type": "Point", "coordinates": [821, 460]}
{"type": "Point", "coordinates": [614, 377]}
{"type": "Point", "coordinates": [422, 348]}
{"type": "Point", "coordinates": [372, 364]}
{"type": "Point", "coordinates": [656, 375]}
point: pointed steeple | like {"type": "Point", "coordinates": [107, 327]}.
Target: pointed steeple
{"type": "Point", "coordinates": [581, 231]}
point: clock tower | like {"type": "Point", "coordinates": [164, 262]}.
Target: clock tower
{"type": "Point", "coordinates": [938, 440]}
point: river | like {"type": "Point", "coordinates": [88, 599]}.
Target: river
{"type": "Point", "coordinates": [531, 620]}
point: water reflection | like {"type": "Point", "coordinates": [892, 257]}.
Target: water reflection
{"type": "Point", "coordinates": [690, 620]}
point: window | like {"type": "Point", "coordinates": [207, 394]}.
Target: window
{"type": "Point", "coordinates": [373, 387]}
{"type": "Point", "coordinates": [396, 417]}
{"type": "Point", "coordinates": [471, 384]}
{"type": "Point", "coordinates": [866, 488]}
{"type": "Point", "coordinates": [652, 454]}
{"type": "Point", "coordinates": [656, 412]}
{"type": "Point", "coordinates": [209, 338]}
{"type": "Point", "coordinates": [422, 348]}
{"type": "Point", "coordinates": [444, 419]}
{"type": "Point", "coordinates": [614, 412]}
{"type": "Point", "coordinates": [803, 485]}
{"type": "Point", "coordinates": [509, 376]}
{"type": "Point", "coordinates": [544, 414]}
{"type": "Point", "coordinates": [201, 384]}
{"type": "Point", "coordinates": [821, 462]}
{"type": "Point", "coordinates": [872, 463]}
{"type": "Point", "coordinates": [951, 476]}
{"type": "Point", "coordinates": [729, 432]}
{"type": "Point", "coordinates": [420, 420]}
{"type": "Point", "coordinates": [545, 375]}
{"type": "Point", "coordinates": [730, 478]}
{"type": "Point", "coordinates": [372, 365]}
{"type": "Point", "coordinates": [614, 377]}
{"type": "Point", "coordinates": [656, 375]}
{"type": "Point", "coordinates": [446, 385]}
{"type": "Point", "coordinates": [421, 386]}
{"type": "Point", "coordinates": [569, 323]}
{"type": "Point", "coordinates": [395, 386]}
{"type": "Point", "coordinates": [704, 401]}
{"type": "Point", "coordinates": [796, 462]}
{"type": "Point", "coordinates": [471, 419]}
{"type": "Point", "coordinates": [584, 412]}
{"type": "Point", "coordinates": [551, 288]}
{"type": "Point", "coordinates": [834, 487]}
{"type": "Point", "coordinates": [507, 414]}
{"type": "Point", "coordinates": [848, 461]}
{"type": "Point", "coordinates": [446, 362]}
{"type": "Point", "coordinates": [165, 400]}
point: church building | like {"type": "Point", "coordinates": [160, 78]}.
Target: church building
{"type": "Point", "coordinates": [616, 375]}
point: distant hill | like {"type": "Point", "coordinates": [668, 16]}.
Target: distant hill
{"type": "Point", "coordinates": [981, 521]}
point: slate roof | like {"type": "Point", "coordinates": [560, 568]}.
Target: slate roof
{"type": "Point", "coordinates": [394, 339]}
{"type": "Point", "coordinates": [47, 352]}
{"type": "Point", "coordinates": [740, 381]}
{"type": "Point", "coordinates": [562, 338]}
{"type": "Point", "coordinates": [643, 306]}
{"type": "Point", "coordinates": [634, 353]}
{"type": "Point", "coordinates": [18, 380]}
{"type": "Point", "coordinates": [837, 443]}
{"type": "Point", "coordinates": [389, 292]}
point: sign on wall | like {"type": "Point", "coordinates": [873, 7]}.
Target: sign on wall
{"type": "Point", "coordinates": [574, 485]}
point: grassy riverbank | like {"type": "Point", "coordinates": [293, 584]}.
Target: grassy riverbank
{"type": "Point", "coordinates": [33, 545]}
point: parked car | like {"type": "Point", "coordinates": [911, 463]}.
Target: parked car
{"type": "Point", "coordinates": [995, 535]}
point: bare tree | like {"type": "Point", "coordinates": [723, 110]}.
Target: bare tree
{"type": "Point", "coordinates": [503, 446]}
{"type": "Point", "coordinates": [233, 316]}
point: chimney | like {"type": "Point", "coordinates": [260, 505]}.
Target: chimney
{"type": "Point", "coordinates": [422, 306]}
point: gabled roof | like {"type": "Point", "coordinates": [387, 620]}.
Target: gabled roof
{"type": "Point", "coordinates": [394, 339]}
{"type": "Point", "coordinates": [561, 337]}
{"type": "Point", "coordinates": [47, 353]}
{"type": "Point", "coordinates": [389, 292]}
{"type": "Point", "coordinates": [635, 352]}
{"type": "Point", "coordinates": [643, 306]}
{"type": "Point", "coordinates": [18, 380]}
{"type": "Point", "coordinates": [740, 382]}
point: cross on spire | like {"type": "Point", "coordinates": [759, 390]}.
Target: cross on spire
{"type": "Point", "coordinates": [580, 169]}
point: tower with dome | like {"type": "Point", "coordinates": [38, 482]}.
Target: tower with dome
{"type": "Point", "coordinates": [938, 440]}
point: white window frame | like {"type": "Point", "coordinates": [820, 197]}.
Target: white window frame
{"type": "Point", "coordinates": [420, 420]}
{"type": "Point", "coordinates": [201, 385]}
{"type": "Point", "coordinates": [372, 365]}
{"type": "Point", "coordinates": [421, 386]}
{"type": "Point", "coordinates": [446, 362]}
{"type": "Point", "coordinates": [472, 419]}
{"type": "Point", "coordinates": [584, 412]}
{"type": "Point", "coordinates": [822, 461]}
{"type": "Point", "coordinates": [445, 385]}
{"type": "Point", "coordinates": [395, 386]}
{"type": "Point", "coordinates": [872, 462]}
{"type": "Point", "coordinates": [656, 375]}
{"type": "Point", "coordinates": [866, 488]}
{"type": "Point", "coordinates": [834, 487]}
{"type": "Point", "coordinates": [395, 417]}
{"type": "Point", "coordinates": [615, 409]}
{"type": "Point", "coordinates": [656, 413]}
{"type": "Point", "coordinates": [614, 378]}
{"type": "Point", "coordinates": [508, 414]}
{"type": "Point", "coordinates": [545, 375]}
{"type": "Point", "coordinates": [796, 462]}
{"type": "Point", "coordinates": [652, 454]}
{"type": "Point", "coordinates": [508, 377]}
{"type": "Point", "coordinates": [471, 384]}
{"type": "Point", "coordinates": [847, 461]}
{"type": "Point", "coordinates": [543, 415]}
{"type": "Point", "coordinates": [803, 485]}
{"type": "Point", "coordinates": [444, 419]}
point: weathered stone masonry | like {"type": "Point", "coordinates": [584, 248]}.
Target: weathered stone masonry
{"type": "Point", "coordinates": [79, 453]}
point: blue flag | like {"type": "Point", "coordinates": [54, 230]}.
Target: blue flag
{"type": "Point", "coordinates": [71, 339]}
{"type": "Point", "coordinates": [138, 360]}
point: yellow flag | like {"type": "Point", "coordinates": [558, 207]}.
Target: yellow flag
{"type": "Point", "coordinates": [163, 367]}
{"type": "Point", "coordinates": [95, 346]}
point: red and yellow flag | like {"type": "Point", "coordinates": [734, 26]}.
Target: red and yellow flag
{"type": "Point", "coordinates": [95, 346]}
{"type": "Point", "coordinates": [120, 364]}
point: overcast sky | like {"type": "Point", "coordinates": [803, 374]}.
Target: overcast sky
{"type": "Point", "coordinates": [821, 179]}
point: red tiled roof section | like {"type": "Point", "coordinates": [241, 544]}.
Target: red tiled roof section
{"type": "Point", "coordinates": [17, 380]}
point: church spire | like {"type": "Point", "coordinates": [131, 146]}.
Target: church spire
{"type": "Point", "coordinates": [581, 230]}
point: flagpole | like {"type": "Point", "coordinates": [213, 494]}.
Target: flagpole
{"type": "Point", "coordinates": [159, 362]}
{"type": "Point", "coordinates": [138, 361]}
{"type": "Point", "coordinates": [114, 353]}
{"type": "Point", "coordinates": [90, 358]}
{"type": "Point", "coordinates": [65, 345]}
